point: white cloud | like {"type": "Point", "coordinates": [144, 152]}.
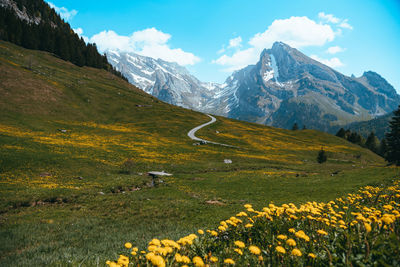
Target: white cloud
{"type": "Point", "coordinates": [335, 49]}
{"type": "Point", "coordinates": [79, 32]}
{"type": "Point", "coordinates": [64, 12]}
{"type": "Point", "coordinates": [344, 24]}
{"type": "Point", "coordinates": [296, 31]}
{"type": "Point", "coordinates": [333, 62]}
{"type": "Point", "coordinates": [238, 60]}
{"type": "Point", "coordinates": [149, 42]}
{"type": "Point", "coordinates": [328, 17]}
{"type": "Point", "coordinates": [235, 42]}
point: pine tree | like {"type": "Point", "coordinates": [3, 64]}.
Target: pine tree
{"type": "Point", "coordinates": [383, 148]}
{"type": "Point", "coordinates": [393, 139]}
{"type": "Point", "coordinates": [341, 133]}
{"type": "Point", "coordinates": [372, 142]}
{"type": "Point", "coordinates": [322, 156]}
{"type": "Point", "coordinates": [295, 127]}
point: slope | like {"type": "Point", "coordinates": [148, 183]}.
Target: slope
{"type": "Point", "coordinates": [75, 143]}
{"type": "Point", "coordinates": [379, 125]}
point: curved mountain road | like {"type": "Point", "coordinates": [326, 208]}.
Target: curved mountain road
{"type": "Point", "coordinates": [195, 129]}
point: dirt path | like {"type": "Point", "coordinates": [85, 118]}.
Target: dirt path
{"type": "Point", "coordinates": [192, 132]}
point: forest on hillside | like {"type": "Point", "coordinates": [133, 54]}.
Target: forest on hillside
{"type": "Point", "coordinates": [43, 29]}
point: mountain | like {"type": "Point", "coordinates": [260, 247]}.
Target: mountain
{"type": "Point", "coordinates": [287, 87]}
{"type": "Point", "coordinates": [167, 81]}
{"type": "Point", "coordinates": [284, 87]}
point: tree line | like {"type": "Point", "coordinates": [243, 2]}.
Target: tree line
{"type": "Point", "coordinates": [51, 34]}
{"type": "Point", "coordinates": [388, 147]}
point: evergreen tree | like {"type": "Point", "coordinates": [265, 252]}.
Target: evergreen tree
{"type": "Point", "coordinates": [372, 142]}
{"type": "Point", "coordinates": [393, 139]}
{"type": "Point", "coordinates": [295, 127]}
{"type": "Point", "coordinates": [322, 156]}
{"type": "Point", "coordinates": [304, 127]}
{"type": "Point", "coordinates": [383, 148]}
{"type": "Point", "coordinates": [341, 133]}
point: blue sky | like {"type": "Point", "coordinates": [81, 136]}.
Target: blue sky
{"type": "Point", "coordinates": [213, 38]}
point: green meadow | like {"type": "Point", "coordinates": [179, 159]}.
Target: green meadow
{"type": "Point", "coordinates": [76, 144]}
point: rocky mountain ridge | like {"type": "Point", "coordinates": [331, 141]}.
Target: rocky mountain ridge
{"type": "Point", "coordinates": [284, 87]}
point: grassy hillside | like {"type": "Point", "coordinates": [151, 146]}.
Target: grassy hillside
{"type": "Point", "coordinates": [76, 142]}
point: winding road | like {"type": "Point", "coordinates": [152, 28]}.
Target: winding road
{"type": "Point", "coordinates": [195, 129]}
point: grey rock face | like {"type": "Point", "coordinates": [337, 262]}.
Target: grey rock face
{"type": "Point", "coordinates": [167, 81]}
{"type": "Point", "coordinates": [286, 86]}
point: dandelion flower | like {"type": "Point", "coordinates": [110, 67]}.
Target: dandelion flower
{"type": "Point", "coordinates": [312, 255]}
{"type": "Point", "coordinates": [198, 262]}
{"type": "Point", "coordinates": [296, 252]}
{"type": "Point", "coordinates": [255, 250]}
{"type": "Point", "coordinates": [291, 242]}
{"type": "Point", "coordinates": [229, 261]}
{"type": "Point", "coordinates": [282, 237]}
{"type": "Point", "coordinates": [238, 251]}
{"type": "Point", "coordinates": [280, 249]}
{"type": "Point", "coordinates": [249, 225]}
{"type": "Point", "coordinates": [213, 259]}
{"type": "Point", "coordinates": [367, 227]}
{"type": "Point", "coordinates": [239, 244]}
{"type": "Point", "coordinates": [128, 245]}
{"type": "Point", "coordinates": [201, 232]}
{"type": "Point", "coordinates": [322, 232]}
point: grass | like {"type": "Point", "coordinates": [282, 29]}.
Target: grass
{"type": "Point", "coordinates": [65, 200]}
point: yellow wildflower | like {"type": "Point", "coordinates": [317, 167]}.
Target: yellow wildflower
{"type": "Point", "coordinates": [367, 227]}
{"type": "Point", "coordinates": [240, 244]}
{"type": "Point", "coordinates": [312, 255]}
{"type": "Point", "coordinates": [185, 259]}
{"type": "Point", "coordinates": [255, 250]}
{"type": "Point", "coordinates": [296, 252]}
{"type": "Point", "coordinates": [292, 230]}
{"type": "Point", "coordinates": [283, 237]}
{"type": "Point", "coordinates": [249, 225]}
{"type": "Point", "coordinates": [198, 262]}
{"type": "Point", "coordinates": [155, 242]}
{"type": "Point", "coordinates": [280, 249]}
{"type": "Point", "coordinates": [201, 232]}
{"type": "Point", "coordinates": [213, 259]}
{"type": "Point", "coordinates": [229, 261]}
{"type": "Point", "coordinates": [322, 232]}
{"type": "Point", "coordinates": [214, 233]}
{"type": "Point", "coordinates": [128, 245]}
{"type": "Point", "coordinates": [123, 260]}
{"type": "Point", "coordinates": [238, 250]}
{"type": "Point", "coordinates": [291, 242]}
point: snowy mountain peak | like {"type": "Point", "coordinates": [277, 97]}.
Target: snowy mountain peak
{"type": "Point", "coordinates": [167, 81]}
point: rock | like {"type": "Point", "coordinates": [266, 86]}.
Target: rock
{"type": "Point", "coordinates": [227, 161]}
{"type": "Point", "coordinates": [215, 202]}
{"type": "Point", "coordinates": [45, 174]}
{"type": "Point", "coordinates": [101, 193]}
